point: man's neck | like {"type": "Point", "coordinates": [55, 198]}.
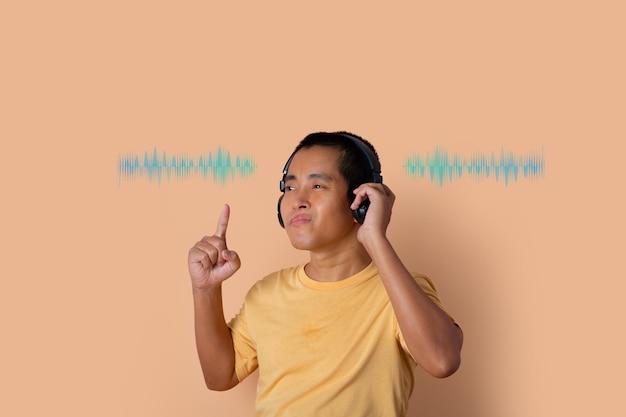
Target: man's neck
{"type": "Point", "coordinates": [336, 265]}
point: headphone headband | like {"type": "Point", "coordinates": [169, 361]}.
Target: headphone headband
{"type": "Point", "coordinates": [375, 175]}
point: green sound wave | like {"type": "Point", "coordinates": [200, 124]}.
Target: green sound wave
{"type": "Point", "coordinates": [440, 166]}
{"type": "Point", "coordinates": [158, 167]}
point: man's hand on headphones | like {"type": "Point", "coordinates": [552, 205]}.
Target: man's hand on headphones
{"type": "Point", "coordinates": [379, 211]}
{"type": "Point", "coordinates": [210, 262]}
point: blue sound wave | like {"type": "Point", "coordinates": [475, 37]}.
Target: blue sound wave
{"type": "Point", "coordinates": [219, 167]}
{"type": "Point", "coordinates": [440, 166]}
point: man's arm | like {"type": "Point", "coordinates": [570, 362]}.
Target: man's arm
{"type": "Point", "coordinates": [213, 340]}
{"type": "Point", "coordinates": [211, 263]}
{"type": "Point", "coordinates": [432, 338]}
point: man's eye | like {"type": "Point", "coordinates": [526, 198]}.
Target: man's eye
{"type": "Point", "coordinates": [290, 188]}
{"type": "Point", "coordinates": [318, 186]}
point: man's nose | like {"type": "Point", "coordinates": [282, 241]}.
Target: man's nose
{"type": "Point", "coordinates": [301, 199]}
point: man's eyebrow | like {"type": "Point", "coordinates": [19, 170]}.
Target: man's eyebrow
{"type": "Point", "coordinates": [314, 175]}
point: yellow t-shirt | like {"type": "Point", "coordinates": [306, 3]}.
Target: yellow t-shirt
{"type": "Point", "coordinates": [324, 348]}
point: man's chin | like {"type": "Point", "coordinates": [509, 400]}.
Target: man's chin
{"type": "Point", "coordinates": [300, 244]}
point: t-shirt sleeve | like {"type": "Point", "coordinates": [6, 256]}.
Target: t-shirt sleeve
{"type": "Point", "coordinates": [245, 352]}
{"type": "Point", "coordinates": [429, 289]}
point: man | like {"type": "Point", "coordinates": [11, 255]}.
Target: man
{"type": "Point", "coordinates": [339, 335]}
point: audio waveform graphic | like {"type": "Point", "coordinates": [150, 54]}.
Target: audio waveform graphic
{"type": "Point", "coordinates": [440, 166]}
{"type": "Point", "coordinates": [157, 167]}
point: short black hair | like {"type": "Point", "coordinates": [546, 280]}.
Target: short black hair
{"type": "Point", "coordinates": [353, 164]}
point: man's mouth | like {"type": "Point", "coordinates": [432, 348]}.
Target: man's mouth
{"type": "Point", "coordinates": [299, 220]}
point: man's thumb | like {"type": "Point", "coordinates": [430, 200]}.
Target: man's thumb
{"type": "Point", "coordinates": [232, 259]}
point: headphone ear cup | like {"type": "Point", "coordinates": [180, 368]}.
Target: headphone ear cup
{"type": "Point", "coordinates": [280, 217]}
{"type": "Point", "coordinates": [361, 211]}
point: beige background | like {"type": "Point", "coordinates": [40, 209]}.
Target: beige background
{"type": "Point", "coordinates": [95, 305]}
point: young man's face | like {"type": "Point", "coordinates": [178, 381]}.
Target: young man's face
{"type": "Point", "coordinates": [314, 208]}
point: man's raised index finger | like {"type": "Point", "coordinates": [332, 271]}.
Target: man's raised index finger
{"type": "Point", "coordinates": [222, 223]}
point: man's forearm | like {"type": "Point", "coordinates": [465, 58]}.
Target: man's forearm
{"type": "Point", "coordinates": [213, 339]}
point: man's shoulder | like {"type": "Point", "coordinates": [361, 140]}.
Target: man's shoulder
{"type": "Point", "coordinates": [281, 278]}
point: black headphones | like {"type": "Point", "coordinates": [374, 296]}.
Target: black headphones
{"type": "Point", "coordinates": [375, 176]}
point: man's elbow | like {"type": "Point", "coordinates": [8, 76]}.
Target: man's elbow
{"type": "Point", "coordinates": [218, 387]}
{"type": "Point", "coordinates": [448, 359]}
{"type": "Point", "coordinates": [446, 366]}
{"type": "Point", "coordinates": [221, 384]}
